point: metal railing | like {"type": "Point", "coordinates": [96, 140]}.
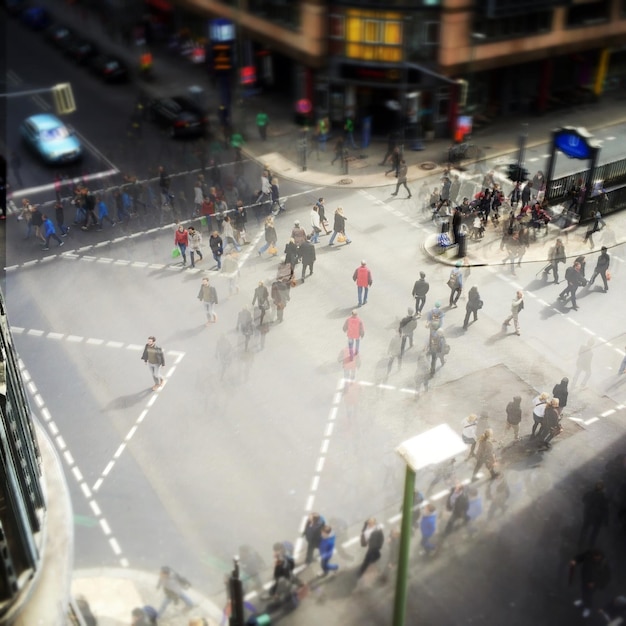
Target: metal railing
{"type": "Point", "coordinates": [612, 174]}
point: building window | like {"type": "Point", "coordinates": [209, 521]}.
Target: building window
{"type": "Point", "coordinates": [589, 13]}
{"type": "Point", "coordinates": [337, 27]}
{"type": "Point", "coordinates": [514, 27]}
{"type": "Point", "coordinates": [283, 12]}
{"type": "Point", "coordinates": [393, 33]}
{"type": "Point", "coordinates": [371, 32]}
{"type": "Point", "coordinates": [431, 33]}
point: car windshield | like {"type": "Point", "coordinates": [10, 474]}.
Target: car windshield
{"type": "Point", "coordinates": [54, 134]}
{"type": "Point", "coordinates": [112, 65]}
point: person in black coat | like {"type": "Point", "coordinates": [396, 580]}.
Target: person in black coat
{"type": "Point", "coordinates": [457, 219]}
{"type": "Point", "coordinates": [291, 255]}
{"type": "Point", "coordinates": [595, 514]}
{"type": "Point", "coordinates": [560, 391]}
{"type": "Point", "coordinates": [313, 534]}
{"type": "Point", "coordinates": [307, 254]}
{"type": "Point", "coordinates": [420, 289]}
{"type": "Point", "coordinates": [514, 416]}
{"type": "Point", "coordinates": [373, 538]}
{"type": "Point", "coordinates": [473, 304]}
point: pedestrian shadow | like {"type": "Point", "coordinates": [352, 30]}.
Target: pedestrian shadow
{"type": "Point", "coordinates": [454, 332]}
{"type": "Point", "coordinates": [340, 313]}
{"type": "Point", "coordinates": [499, 336]}
{"type": "Point", "coordinates": [537, 283]}
{"type": "Point", "coordinates": [187, 333]}
{"type": "Point", "coordinates": [125, 402]}
{"type": "Point", "coordinates": [552, 309]}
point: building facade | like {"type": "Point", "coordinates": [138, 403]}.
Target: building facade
{"type": "Point", "coordinates": [422, 63]}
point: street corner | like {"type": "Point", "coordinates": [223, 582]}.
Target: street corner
{"type": "Point", "coordinates": [112, 594]}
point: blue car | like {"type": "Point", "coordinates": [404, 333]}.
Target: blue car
{"type": "Point", "coordinates": [51, 139]}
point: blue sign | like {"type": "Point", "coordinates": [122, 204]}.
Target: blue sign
{"type": "Point", "coordinates": [221, 30]}
{"type": "Point", "coordinates": [573, 143]}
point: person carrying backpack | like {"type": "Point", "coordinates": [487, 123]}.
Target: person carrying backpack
{"type": "Point", "coordinates": [455, 282]}
{"type": "Point", "coordinates": [313, 534]}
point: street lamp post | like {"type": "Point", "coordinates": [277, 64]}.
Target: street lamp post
{"type": "Point", "coordinates": [430, 448]}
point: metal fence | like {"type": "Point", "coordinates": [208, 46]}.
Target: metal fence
{"type": "Point", "coordinates": [612, 174]}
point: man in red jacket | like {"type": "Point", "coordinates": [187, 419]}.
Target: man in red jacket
{"type": "Point", "coordinates": [363, 279]}
{"type": "Point", "coordinates": [353, 327]}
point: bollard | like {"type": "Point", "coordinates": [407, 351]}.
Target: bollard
{"type": "Point", "coordinates": [462, 245]}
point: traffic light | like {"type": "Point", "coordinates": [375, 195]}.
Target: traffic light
{"type": "Point", "coordinates": [63, 99]}
{"type": "Point", "coordinates": [517, 173]}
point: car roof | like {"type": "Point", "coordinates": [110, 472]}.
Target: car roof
{"type": "Point", "coordinates": [44, 121]}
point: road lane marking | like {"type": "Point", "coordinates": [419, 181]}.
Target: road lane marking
{"type": "Point", "coordinates": [75, 470]}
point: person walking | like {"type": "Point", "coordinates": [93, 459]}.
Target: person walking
{"type": "Point", "coordinates": [392, 142]}
{"type": "Point", "coordinates": [217, 248]}
{"type": "Point", "coordinates": [420, 289]}
{"type": "Point", "coordinates": [354, 329]}
{"type": "Point", "coordinates": [322, 212]}
{"type": "Point", "coordinates": [514, 416]}
{"type": "Point", "coordinates": [172, 585]}
{"type": "Point", "coordinates": [280, 297]}
{"type": "Point", "coordinates": [228, 234]}
{"type": "Point", "coordinates": [208, 296]}
{"type": "Point", "coordinates": [363, 279]}
{"type": "Point", "coordinates": [517, 305]}
{"type": "Point", "coordinates": [195, 241]}
{"type": "Point", "coordinates": [181, 240]}
{"type": "Point", "coordinates": [602, 267]}
{"type": "Point", "coordinates": [561, 392]}
{"type": "Point", "coordinates": [326, 549]}
{"type": "Point", "coordinates": [575, 278]}
{"type": "Point", "coordinates": [395, 161]}
{"type": "Point", "coordinates": [339, 227]}
{"type": "Point", "coordinates": [583, 362]}
{"type": "Point", "coordinates": [428, 529]}
{"type": "Point", "coordinates": [434, 317]}
{"type": "Point", "coordinates": [539, 408]}
{"type": "Point", "coordinates": [393, 354]}
{"type": "Point", "coordinates": [154, 358]}
{"type": "Point", "coordinates": [474, 303]}
{"type": "Point", "coordinates": [406, 328]}
{"type": "Point", "coordinates": [339, 151]}
{"type": "Point", "coordinates": [402, 177]}
{"type": "Point", "coordinates": [437, 348]}
{"type": "Point", "coordinates": [372, 538]}
{"type": "Point", "coordinates": [595, 574]}
{"type": "Point", "coordinates": [271, 238]}
{"type": "Point", "coordinates": [316, 228]}
{"type": "Point", "coordinates": [308, 256]}
{"type": "Point", "coordinates": [556, 255]}
{"type": "Point", "coordinates": [245, 325]}
{"type": "Point", "coordinates": [458, 505]}
{"type": "Point", "coordinates": [469, 427]}
{"type": "Point", "coordinates": [595, 514]}
{"type": "Point", "coordinates": [262, 122]}
{"type": "Point", "coordinates": [455, 282]}
{"type": "Point", "coordinates": [49, 232]}
{"type": "Point", "coordinates": [60, 218]}
{"type": "Point", "coordinates": [348, 129]}
{"type": "Point", "coordinates": [103, 213]}
{"type": "Point", "coordinates": [485, 455]}
{"type": "Point", "coordinates": [261, 299]}
{"type": "Point", "coordinates": [550, 425]}
{"type": "Point", "coordinates": [312, 533]}
{"type": "Point", "coordinates": [291, 256]}
{"type": "Point", "coordinates": [36, 220]}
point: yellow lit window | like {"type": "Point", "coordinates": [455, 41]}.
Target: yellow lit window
{"type": "Point", "coordinates": [372, 31]}
{"type": "Point", "coordinates": [393, 33]}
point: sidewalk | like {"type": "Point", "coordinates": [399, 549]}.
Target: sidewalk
{"type": "Point", "coordinates": [113, 593]}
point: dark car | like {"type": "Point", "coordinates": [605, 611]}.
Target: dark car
{"type": "Point", "coordinates": [180, 115]}
{"type": "Point", "coordinates": [82, 50]}
{"type": "Point", "coordinates": [35, 17]}
{"type": "Point", "coordinates": [60, 36]}
{"type": "Point", "coordinates": [109, 68]}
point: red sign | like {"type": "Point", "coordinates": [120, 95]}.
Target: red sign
{"type": "Point", "coordinates": [304, 106]}
{"type": "Point", "coordinates": [248, 75]}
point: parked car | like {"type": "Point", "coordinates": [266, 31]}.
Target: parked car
{"type": "Point", "coordinates": [180, 115]}
{"type": "Point", "coordinates": [82, 50]}
{"type": "Point", "coordinates": [35, 17]}
{"type": "Point", "coordinates": [52, 140]}
{"type": "Point", "coordinates": [109, 68]}
{"type": "Point", "coordinates": [60, 36]}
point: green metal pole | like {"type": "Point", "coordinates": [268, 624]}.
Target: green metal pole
{"type": "Point", "coordinates": [399, 607]}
